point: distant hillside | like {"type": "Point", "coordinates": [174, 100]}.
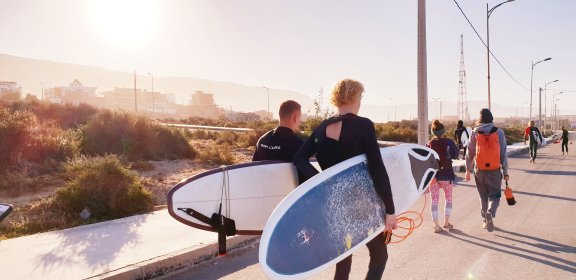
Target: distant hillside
{"type": "Point", "coordinates": [30, 73]}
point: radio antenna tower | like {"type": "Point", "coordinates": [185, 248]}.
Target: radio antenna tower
{"type": "Point", "coordinates": [462, 98]}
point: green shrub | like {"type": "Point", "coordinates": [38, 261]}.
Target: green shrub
{"type": "Point", "coordinates": [137, 138]}
{"type": "Point", "coordinates": [16, 131]}
{"type": "Point", "coordinates": [67, 116]}
{"type": "Point", "coordinates": [220, 155]}
{"type": "Point", "coordinates": [103, 185]}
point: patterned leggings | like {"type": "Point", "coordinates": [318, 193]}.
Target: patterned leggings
{"type": "Point", "coordinates": [435, 195]}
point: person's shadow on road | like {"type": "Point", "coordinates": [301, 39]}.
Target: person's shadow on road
{"type": "Point", "coordinates": [546, 259]}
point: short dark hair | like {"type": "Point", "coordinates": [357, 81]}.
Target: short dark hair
{"type": "Point", "coordinates": [485, 116]}
{"type": "Point", "coordinates": [287, 108]}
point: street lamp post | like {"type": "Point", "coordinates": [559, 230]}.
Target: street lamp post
{"type": "Point", "coordinates": [152, 94]}
{"type": "Point", "coordinates": [532, 78]}
{"type": "Point", "coordinates": [546, 103]}
{"type": "Point", "coordinates": [488, 13]}
{"type": "Point", "coordinates": [553, 106]}
{"type": "Point", "coordinates": [268, 92]}
{"type": "Point", "coordinates": [556, 123]}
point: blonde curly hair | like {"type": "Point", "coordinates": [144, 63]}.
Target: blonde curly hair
{"type": "Point", "coordinates": [346, 91]}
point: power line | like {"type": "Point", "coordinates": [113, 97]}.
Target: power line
{"type": "Point", "coordinates": [481, 40]}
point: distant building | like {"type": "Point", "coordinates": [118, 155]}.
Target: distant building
{"type": "Point", "coordinates": [10, 91]}
{"type": "Point", "coordinates": [243, 117]}
{"type": "Point", "coordinates": [202, 105]}
{"type": "Point", "coordinates": [264, 115]}
{"type": "Point", "coordinates": [75, 93]}
{"type": "Point", "coordinates": [147, 102]}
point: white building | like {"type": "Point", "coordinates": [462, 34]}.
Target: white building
{"type": "Point", "coordinates": [10, 91]}
{"type": "Point", "coordinates": [75, 94]}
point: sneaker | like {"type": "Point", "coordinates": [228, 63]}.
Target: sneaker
{"type": "Point", "coordinates": [484, 225]}
{"type": "Point", "coordinates": [562, 153]}
{"type": "Point", "coordinates": [530, 160]}
{"type": "Point", "coordinates": [489, 222]}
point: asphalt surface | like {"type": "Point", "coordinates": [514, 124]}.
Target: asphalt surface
{"type": "Point", "coordinates": [534, 239]}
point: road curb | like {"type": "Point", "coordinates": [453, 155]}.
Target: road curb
{"type": "Point", "coordinates": [166, 264]}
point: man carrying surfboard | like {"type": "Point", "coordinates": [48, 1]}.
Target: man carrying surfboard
{"type": "Point", "coordinates": [460, 129]}
{"type": "Point", "coordinates": [533, 134]}
{"type": "Point", "coordinates": [280, 143]}
{"type": "Point", "coordinates": [339, 138]}
{"type": "Point", "coordinates": [488, 159]}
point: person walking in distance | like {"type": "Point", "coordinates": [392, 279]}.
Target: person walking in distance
{"type": "Point", "coordinates": [281, 143]}
{"type": "Point", "coordinates": [488, 160]}
{"type": "Point", "coordinates": [458, 137]}
{"type": "Point", "coordinates": [532, 133]}
{"type": "Point", "coordinates": [564, 139]}
{"type": "Point", "coordinates": [447, 151]}
{"type": "Point", "coordinates": [339, 138]}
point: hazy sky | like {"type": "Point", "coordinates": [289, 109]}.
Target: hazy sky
{"type": "Point", "coordinates": [303, 45]}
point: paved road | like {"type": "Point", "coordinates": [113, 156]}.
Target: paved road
{"type": "Point", "coordinates": [535, 239]}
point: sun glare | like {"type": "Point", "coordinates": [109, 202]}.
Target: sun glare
{"type": "Point", "coordinates": [124, 22]}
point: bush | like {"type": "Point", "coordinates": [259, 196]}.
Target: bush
{"type": "Point", "coordinates": [218, 155]}
{"type": "Point", "coordinates": [16, 130]}
{"type": "Point", "coordinates": [25, 138]}
{"type": "Point", "coordinates": [104, 186]}
{"type": "Point", "coordinates": [66, 116]}
{"type": "Point", "coordinates": [137, 138]}
{"type": "Point", "coordinates": [41, 216]}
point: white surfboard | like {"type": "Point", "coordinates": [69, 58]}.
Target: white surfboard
{"type": "Point", "coordinates": [537, 137]}
{"type": "Point", "coordinates": [337, 211]}
{"type": "Point", "coordinates": [248, 193]}
{"type": "Point", "coordinates": [465, 138]}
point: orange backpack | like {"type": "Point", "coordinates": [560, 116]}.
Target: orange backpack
{"type": "Point", "coordinates": [487, 150]}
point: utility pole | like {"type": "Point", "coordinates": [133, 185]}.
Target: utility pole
{"type": "Point", "coordinates": [422, 76]}
{"type": "Point", "coordinates": [135, 96]}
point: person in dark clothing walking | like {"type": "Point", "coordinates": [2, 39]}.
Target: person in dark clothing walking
{"type": "Point", "coordinates": [342, 137]}
{"type": "Point", "coordinates": [281, 143]}
{"type": "Point", "coordinates": [458, 137]}
{"type": "Point", "coordinates": [564, 139]}
{"type": "Point", "coordinates": [533, 134]}
{"type": "Point", "coordinates": [447, 151]}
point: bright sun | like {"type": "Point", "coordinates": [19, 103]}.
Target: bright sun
{"type": "Point", "coordinates": [124, 22]}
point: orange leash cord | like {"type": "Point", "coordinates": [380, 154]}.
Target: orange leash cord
{"type": "Point", "coordinates": [413, 223]}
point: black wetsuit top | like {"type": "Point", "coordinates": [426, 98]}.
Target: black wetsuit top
{"type": "Point", "coordinates": [277, 144]}
{"type": "Point", "coordinates": [564, 137]}
{"type": "Point", "coordinates": [356, 137]}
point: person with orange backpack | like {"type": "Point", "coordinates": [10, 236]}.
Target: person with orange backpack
{"type": "Point", "coordinates": [447, 150]}
{"type": "Point", "coordinates": [488, 160]}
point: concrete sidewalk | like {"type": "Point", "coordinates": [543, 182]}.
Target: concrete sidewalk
{"type": "Point", "coordinates": [137, 247]}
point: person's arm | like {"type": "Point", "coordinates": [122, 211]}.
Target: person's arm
{"type": "Point", "coordinates": [503, 153]}
{"type": "Point", "coordinates": [454, 151]}
{"type": "Point", "coordinates": [302, 158]}
{"type": "Point", "coordinates": [470, 155]}
{"type": "Point", "coordinates": [256, 156]}
{"type": "Point", "coordinates": [377, 169]}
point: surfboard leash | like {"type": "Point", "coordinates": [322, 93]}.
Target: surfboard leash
{"type": "Point", "coordinates": [413, 223]}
